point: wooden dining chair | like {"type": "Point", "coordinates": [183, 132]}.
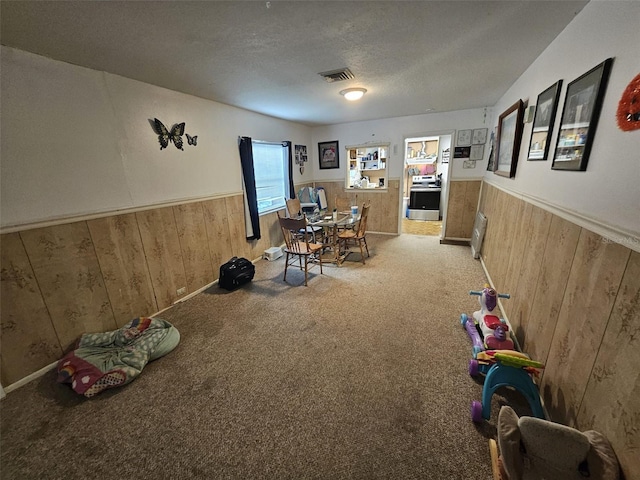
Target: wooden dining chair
{"type": "Point", "coordinates": [298, 246]}
{"type": "Point", "coordinates": [342, 204]}
{"type": "Point", "coordinates": [358, 235]}
{"type": "Point", "coordinates": [294, 210]}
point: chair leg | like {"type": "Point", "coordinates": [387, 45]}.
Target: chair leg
{"type": "Point", "coordinates": [306, 270]}
{"type": "Point", "coordinates": [361, 251]}
{"type": "Point", "coordinates": [286, 264]}
{"type": "Point", "coordinates": [366, 246]}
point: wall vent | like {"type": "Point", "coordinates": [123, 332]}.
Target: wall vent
{"type": "Point", "coordinates": [338, 75]}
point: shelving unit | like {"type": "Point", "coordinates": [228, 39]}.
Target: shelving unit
{"type": "Point", "coordinates": [368, 162]}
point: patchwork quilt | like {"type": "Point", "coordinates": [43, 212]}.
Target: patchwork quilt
{"type": "Point", "coordinates": [115, 358]}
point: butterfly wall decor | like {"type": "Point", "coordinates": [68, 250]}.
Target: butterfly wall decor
{"type": "Point", "coordinates": [192, 140]}
{"type": "Point", "coordinates": [165, 136]}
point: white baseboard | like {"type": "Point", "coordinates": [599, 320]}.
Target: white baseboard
{"type": "Point", "coordinates": [31, 377]}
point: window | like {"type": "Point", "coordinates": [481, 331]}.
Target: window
{"type": "Point", "coordinates": [271, 169]}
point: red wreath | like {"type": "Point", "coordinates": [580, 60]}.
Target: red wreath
{"type": "Point", "coordinates": [629, 107]}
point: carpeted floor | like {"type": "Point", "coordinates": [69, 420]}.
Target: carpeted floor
{"type": "Point", "coordinates": [360, 375]}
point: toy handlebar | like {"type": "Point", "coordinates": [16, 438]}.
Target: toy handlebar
{"type": "Point", "coordinates": [479, 293]}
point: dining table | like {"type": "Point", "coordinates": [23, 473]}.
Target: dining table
{"type": "Point", "coordinates": [330, 224]}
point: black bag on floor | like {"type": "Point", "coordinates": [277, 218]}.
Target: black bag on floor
{"type": "Point", "coordinates": [235, 273]}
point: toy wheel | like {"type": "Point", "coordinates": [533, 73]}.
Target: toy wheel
{"type": "Point", "coordinates": [463, 319]}
{"type": "Point", "coordinates": [476, 411]}
{"type": "Point", "coordinates": [473, 367]}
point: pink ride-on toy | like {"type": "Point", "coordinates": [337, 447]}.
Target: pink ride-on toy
{"type": "Point", "coordinates": [487, 330]}
{"type": "Point", "coordinates": [495, 355]}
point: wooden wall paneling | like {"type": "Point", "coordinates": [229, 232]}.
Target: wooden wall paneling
{"type": "Point", "coordinates": [266, 224]}
{"type": "Point", "coordinates": [273, 231]}
{"type": "Point", "coordinates": [455, 208]}
{"type": "Point", "coordinates": [615, 378]}
{"type": "Point", "coordinates": [534, 248]}
{"type": "Point", "coordinates": [29, 340]}
{"type": "Point", "coordinates": [218, 234]}
{"type": "Point", "coordinates": [471, 199]}
{"type": "Point", "coordinates": [482, 196]}
{"type": "Point", "coordinates": [194, 245]}
{"type": "Point", "coordinates": [491, 248]}
{"type": "Point", "coordinates": [594, 281]}
{"type": "Point", "coordinates": [514, 265]}
{"type": "Point", "coordinates": [392, 207]}
{"type": "Point", "coordinates": [162, 249]}
{"type": "Point", "coordinates": [555, 267]}
{"type": "Point", "coordinates": [240, 246]}
{"type": "Point", "coordinates": [384, 205]}
{"type": "Point", "coordinates": [66, 267]}
{"type": "Point", "coordinates": [508, 217]}
{"type": "Point", "coordinates": [124, 266]}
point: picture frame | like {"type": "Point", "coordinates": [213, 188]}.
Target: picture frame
{"type": "Point", "coordinates": [543, 122]}
{"type": "Point", "coordinates": [508, 140]}
{"type": "Point", "coordinates": [476, 152]}
{"type": "Point", "coordinates": [579, 121]}
{"type": "Point", "coordinates": [300, 154]}
{"type": "Point", "coordinates": [329, 154]}
{"type": "Point", "coordinates": [479, 136]}
{"type": "Point", "coordinates": [462, 152]}
{"type": "Point", "coordinates": [464, 138]}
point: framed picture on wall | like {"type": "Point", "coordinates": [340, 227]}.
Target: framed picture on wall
{"type": "Point", "coordinates": [543, 121]}
{"type": "Point", "coordinates": [464, 138]}
{"type": "Point", "coordinates": [479, 136]}
{"type": "Point", "coordinates": [508, 141]}
{"type": "Point", "coordinates": [580, 114]}
{"type": "Point", "coordinates": [328, 154]}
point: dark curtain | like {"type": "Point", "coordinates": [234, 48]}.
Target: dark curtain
{"type": "Point", "coordinates": [292, 193]}
{"type": "Point", "coordinates": [252, 220]}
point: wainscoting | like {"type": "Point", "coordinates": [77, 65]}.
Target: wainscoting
{"type": "Point", "coordinates": [575, 306]}
{"type": "Point", "coordinates": [383, 216]}
{"type": "Point", "coordinates": [461, 209]}
{"type": "Point", "coordinates": [95, 275]}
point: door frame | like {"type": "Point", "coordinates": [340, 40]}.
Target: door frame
{"type": "Point", "coordinates": [444, 195]}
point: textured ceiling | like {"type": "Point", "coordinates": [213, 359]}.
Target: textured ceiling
{"type": "Point", "coordinates": [412, 57]}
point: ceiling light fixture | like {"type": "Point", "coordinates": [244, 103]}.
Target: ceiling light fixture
{"type": "Point", "coordinates": [352, 94]}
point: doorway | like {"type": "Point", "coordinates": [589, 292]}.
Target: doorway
{"type": "Point", "coordinates": [425, 183]}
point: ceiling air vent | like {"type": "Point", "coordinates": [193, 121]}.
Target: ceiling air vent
{"type": "Point", "coordinates": [338, 75]}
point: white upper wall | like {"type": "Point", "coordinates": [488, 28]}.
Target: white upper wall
{"type": "Point", "coordinates": [394, 131]}
{"type": "Point", "coordinates": [608, 192]}
{"type": "Point", "coordinates": [77, 141]}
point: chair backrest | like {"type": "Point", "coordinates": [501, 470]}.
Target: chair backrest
{"type": "Point", "coordinates": [343, 204]}
{"type": "Point", "coordinates": [291, 228]}
{"type": "Point", "coordinates": [362, 226]}
{"type": "Point", "coordinates": [293, 207]}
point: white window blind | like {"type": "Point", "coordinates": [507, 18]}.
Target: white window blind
{"type": "Point", "coordinates": [271, 169]}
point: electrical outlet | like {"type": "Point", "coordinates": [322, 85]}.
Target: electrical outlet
{"type": "Point", "coordinates": [181, 291]}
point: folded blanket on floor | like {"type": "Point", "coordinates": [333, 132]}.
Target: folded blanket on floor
{"type": "Point", "coordinates": [115, 358]}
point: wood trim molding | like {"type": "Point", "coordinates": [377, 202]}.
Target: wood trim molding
{"type": "Point", "coordinates": [108, 213]}
{"type": "Point", "coordinates": [614, 234]}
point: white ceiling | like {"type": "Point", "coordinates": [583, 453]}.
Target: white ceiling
{"type": "Point", "coordinates": [411, 56]}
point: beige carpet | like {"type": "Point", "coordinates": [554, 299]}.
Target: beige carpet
{"type": "Point", "coordinates": [360, 375]}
